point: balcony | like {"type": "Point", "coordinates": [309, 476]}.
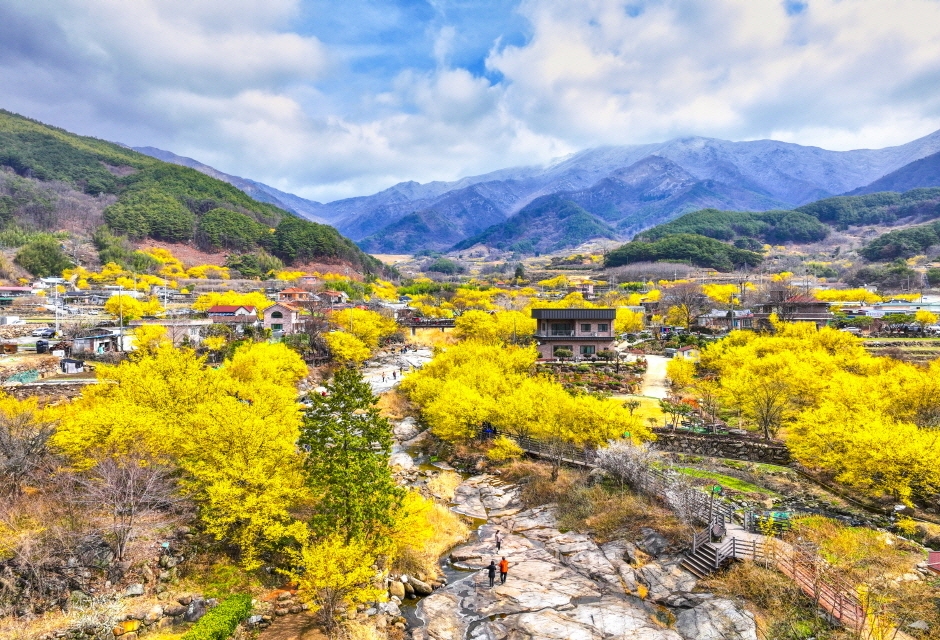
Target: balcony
{"type": "Point", "coordinates": [569, 333]}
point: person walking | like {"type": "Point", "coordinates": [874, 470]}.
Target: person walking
{"type": "Point", "coordinates": [394, 375]}
{"type": "Point", "coordinates": [503, 570]}
{"type": "Point", "coordinates": [499, 540]}
{"type": "Point", "coordinates": [491, 571]}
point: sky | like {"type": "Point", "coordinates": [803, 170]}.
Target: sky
{"type": "Point", "coordinates": [337, 98]}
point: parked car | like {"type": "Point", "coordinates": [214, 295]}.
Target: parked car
{"type": "Point", "coordinates": [45, 332]}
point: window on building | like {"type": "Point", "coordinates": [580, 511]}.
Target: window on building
{"type": "Point", "coordinates": [277, 314]}
{"type": "Point", "coordinates": [587, 349]}
{"type": "Point", "coordinates": [585, 328]}
{"type": "Point", "coordinates": [603, 327]}
{"type": "Point", "coordinates": [277, 327]}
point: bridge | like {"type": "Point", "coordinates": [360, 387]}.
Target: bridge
{"type": "Point", "coordinates": [416, 323]}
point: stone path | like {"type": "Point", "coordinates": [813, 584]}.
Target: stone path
{"type": "Point", "coordinates": [562, 585]}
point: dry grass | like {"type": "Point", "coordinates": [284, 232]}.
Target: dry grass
{"type": "Point", "coordinates": [610, 514]}
{"type": "Point", "coordinates": [536, 484]}
{"type": "Point", "coordinates": [395, 406]}
{"type": "Point", "coordinates": [443, 485]}
{"type": "Point", "coordinates": [21, 629]}
{"type": "Point", "coordinates": [782, 611]}
{"type": "Point", "coordinates": [606, 512]}
{"type": "Point", "coordinates": [449, 531]}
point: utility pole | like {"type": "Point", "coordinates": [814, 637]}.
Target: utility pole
{"type": "Point", "coordinates": [121, 319]}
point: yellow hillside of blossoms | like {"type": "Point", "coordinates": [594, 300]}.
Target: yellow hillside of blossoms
{"type": "Point", "coordinates": [870, 422]}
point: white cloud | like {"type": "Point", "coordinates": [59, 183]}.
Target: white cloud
{"type": "Point", "coordinates": [235, 85]}
{"type": "Point", "coordinates": [735, 69]}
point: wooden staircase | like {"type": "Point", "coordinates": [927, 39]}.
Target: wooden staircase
{"type": "Point", "coordinates": [702, 562]}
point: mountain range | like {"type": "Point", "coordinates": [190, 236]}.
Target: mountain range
{"type": "Point", "coordinates": [605, 192]}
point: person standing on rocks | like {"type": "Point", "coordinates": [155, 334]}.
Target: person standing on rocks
{"type": "Point", "coordinates": [503, 570]}
{"type": "Point", "coordinates": [491, 571]}
{"type": "Point", "coordinates": [499, 540]}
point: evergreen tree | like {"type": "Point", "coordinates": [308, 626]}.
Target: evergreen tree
{"type": "Point", "coordinates": [348, 464]}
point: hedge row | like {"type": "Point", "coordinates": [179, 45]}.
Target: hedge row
{"type": "Point", "coordinates": [220, 622]}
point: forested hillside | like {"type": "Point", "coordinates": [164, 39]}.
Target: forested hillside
{"type": "Point", "coordinates": [695, 236]}
{"type": "Point", "coordinates": [140, 197]}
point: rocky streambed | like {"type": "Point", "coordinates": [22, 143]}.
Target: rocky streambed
{"type": "Point", "coordinates": [563, 585]}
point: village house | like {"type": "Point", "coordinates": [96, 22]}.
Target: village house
{"type": "Point", "coordinates": [179, 330]}
{"type": "Point", "coordinates": [239, 316]}
{"type": "Point", "coordinates": [334, 297]}
{"type": "Point", "coordinates": [293, 295]}
{"type": "Point", "coordinates": [727, 320]}
{"type": "Point", "coordinates": [583, 332]}
{"type": "Point", "coordinates": [798, 308]}
{"type": "Point", "coordinates": [282, 319]}
{"type": "Point", "coordinates": [95, 341]}
{"type": "Point", "coordinates": [688, 352]}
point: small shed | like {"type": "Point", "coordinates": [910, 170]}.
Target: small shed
{"type": "Point", "coordinates": [71, 365]}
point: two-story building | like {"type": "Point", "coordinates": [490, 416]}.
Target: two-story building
{"type": "Point", "coordinates": [282, 319]}
{"type": "Point", "coordinates": [583, 332]}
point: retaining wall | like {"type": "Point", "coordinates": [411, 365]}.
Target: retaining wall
{"type": "Point", "coordinates": [747, 449]}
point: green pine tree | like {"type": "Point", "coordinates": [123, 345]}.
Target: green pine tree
{"type": "Point", "coordinates": [347, 466]}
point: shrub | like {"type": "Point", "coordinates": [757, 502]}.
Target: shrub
{"type": "Point", "coordinates": [43, 257]}
{"type": "Point", "coordinates": [504, 449]}
{"type": "Point", "coordinates": [220, 623]}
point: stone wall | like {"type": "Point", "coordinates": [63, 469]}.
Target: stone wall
{"type": "Point", "coordinates": [48, 391]}
{"type": "Point", "coordinates": [750, 450]}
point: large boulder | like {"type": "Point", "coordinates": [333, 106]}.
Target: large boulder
{"type": "Point", "coordinates": [406, 429]}
{"type": "Point", "coordinates": [397, 589]}
{"type": "Point", "coordinates": [653, 543]}
{"type": "Point", "coordinates": [665, 580]}
{"type": "Point", "coordinates": [421, 588]}
{"type": "Point", "coordinates": [401, 460]}
{"type": "Point", "coordinates": [195, 610]}
{"type": "Point", "coordinates": [716, 619]}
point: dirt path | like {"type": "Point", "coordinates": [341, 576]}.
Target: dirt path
{"type": "Point", "coordinates": [295, 627]}
{"type": "Point", "coordinates": [654, 380]}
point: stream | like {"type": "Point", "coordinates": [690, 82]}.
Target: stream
{"type": "Point", "coordinates": [560, 585]}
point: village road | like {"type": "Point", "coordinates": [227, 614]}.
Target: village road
{"type": "Point", "coordinates": [654, 380]}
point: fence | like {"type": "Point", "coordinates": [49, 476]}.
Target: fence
{"type": "Point", "coordinates": [701, 507]}
{"type": "Point", "coordinates": [836, 596]}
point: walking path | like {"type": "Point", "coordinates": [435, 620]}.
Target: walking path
{"type": "Point", "coordinates": [398, 363]}
{"type": "Point", "coordinates": [654, 380]}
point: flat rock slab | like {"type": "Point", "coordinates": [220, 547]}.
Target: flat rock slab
{"type": "Point", "coordinates": [563, 586]}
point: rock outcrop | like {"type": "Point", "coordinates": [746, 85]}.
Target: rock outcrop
{"type": "Point", "coordinates": [563, 585]}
